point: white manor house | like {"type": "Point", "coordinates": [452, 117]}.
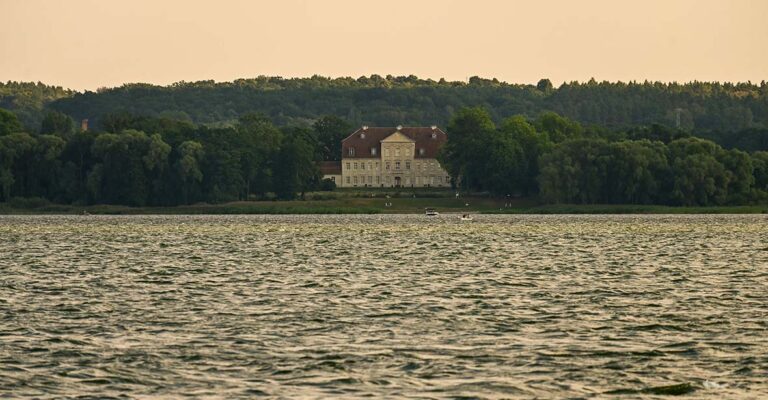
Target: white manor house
{"type": "Point", "coordinates": [389, 157]}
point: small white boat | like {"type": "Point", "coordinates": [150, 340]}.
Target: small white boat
{"type": "Point", "coordinates": [430, 212]}
{"type": "Point", "coordinates": [466, 217]}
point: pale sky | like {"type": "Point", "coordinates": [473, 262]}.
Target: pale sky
{"type": "Point", "coordinates": [86, 44]}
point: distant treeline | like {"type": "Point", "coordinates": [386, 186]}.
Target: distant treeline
{"type": "Point", "coordinates": [563, 162]}
{"type": "Point", "coordinates": [143, 160]}
{"type": "Point", "coordinates": [733, 115]}
{"type": "Point", "coordinates": [258, 138]}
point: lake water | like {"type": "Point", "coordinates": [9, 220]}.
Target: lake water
{"type": "Point", "coordinates": [383, 306]}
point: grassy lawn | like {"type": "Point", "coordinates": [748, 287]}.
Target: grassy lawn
{"type": "Point", "coordinates": [375, 201]}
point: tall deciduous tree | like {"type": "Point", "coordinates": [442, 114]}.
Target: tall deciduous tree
{"type": "Point", "coordinates": [330, 130]}
{"type": "Point", "coordinates": [188, 166]}
{"type": "Point", "coordinates": [295, 167]}
{"type": "Point", "coordinates": [463, 154]}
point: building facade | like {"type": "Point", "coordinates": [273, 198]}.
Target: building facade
{"type": "Point", "coordinates": [393, 157]}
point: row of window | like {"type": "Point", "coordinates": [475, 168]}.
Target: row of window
{"type": "Point", "coordinates": [351, 152]}
{"type": "Point", "coordinates": [370, 180]}
{"type": "Point", "coordinates": [388, 165]}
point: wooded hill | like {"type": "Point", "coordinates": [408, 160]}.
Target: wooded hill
{"type": "Point", "coordinates": [706, 109]}
{"type": "Point", "coordinates": [261, 139]}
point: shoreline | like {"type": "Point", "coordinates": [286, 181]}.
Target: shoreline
{"type": "Point", "coordinates": [377, 206]}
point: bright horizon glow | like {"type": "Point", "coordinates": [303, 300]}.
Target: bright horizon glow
{"type": "Point", "coordinates": [87, 44]}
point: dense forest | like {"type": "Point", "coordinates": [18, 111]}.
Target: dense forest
{"type": "Point", "coordinates": [563, 162]}
{"type": "Point", "coordinates": [733, 115]}
{"type": "Point", "coordinates": [596, 142]}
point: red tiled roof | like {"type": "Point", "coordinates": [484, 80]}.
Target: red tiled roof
{"type": "Point", "coordinates": [422, 135]}
{"type": "Point", "coordinates": [330, 167]}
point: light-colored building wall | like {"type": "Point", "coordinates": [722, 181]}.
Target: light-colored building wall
{"type": "Point", "coordinates": [392, 161]}
{"type": "Point", "coordinates": [360, 172]}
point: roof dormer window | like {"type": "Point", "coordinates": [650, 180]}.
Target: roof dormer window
{"type": "Point", "coordinates": [351, 151]}
{"type": "Point", "coordinates": [421, 152]}
{"type": "Point", "coordinates": [434, 135]}
{"type": "Point", "coordinates": [373, 151]}
{"type": "Point", "coordinates": [362, 136]}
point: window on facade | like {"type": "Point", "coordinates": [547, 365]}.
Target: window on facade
{"type": "Point", "coordinates": [373, 151]}
{"type": "Point", "coordinates": [421, 152]}
{"type": "Point", "coordinates": [439, 179]}
{"type": "Point", "coordinates": [362, 165]}
{"type": "Point", "coordinates": [354, 179]}
{"type": "Point", "coordinates": [348, 167]}
{"type": "Point", "coordinates": [347, 180]}
{"type": "Point", "coordinates": [387, 165]}
{"type": "Point", "coordinates": [407, 165]}
{"type": "Point", "coordinates": [351, 151]}
{"type": "Point", "coordinates": [333, 179]}
{"type": "Point", "coordinates": [386, 152]}
{"type": "Point", "coordinates": [397, 164]}
{"type": "Point", "coordinates": [378, 179]}
{"type": "Point", "coordinates": [355, 165]}
{"type": "Point", "coordinates": [370, 179]}
{"type": "Point", "coordinates": [370, 166]}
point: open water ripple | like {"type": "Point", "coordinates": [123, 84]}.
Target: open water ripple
{"type": "Point", "coordinates": [383, 306]}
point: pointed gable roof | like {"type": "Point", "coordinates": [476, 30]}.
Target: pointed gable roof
{"type": "Point", "coordinates": [430, 139]}
{"type": "Point", "coordinates": [397, 137]}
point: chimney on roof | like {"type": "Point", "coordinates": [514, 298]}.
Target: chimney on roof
{"type": "Point", "coordinates": [84, 125]}
{"type": "Point", "coordinates": [433, 127]}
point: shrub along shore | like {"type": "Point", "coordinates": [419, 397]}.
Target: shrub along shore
{"type": "Point", "coordinates": [371, 203]}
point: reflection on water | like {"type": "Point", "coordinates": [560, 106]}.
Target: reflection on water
{"type": "Point", "coordinates": [388, 306]}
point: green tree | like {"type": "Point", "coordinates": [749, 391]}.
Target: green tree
{"type": "Point", "coordinates": [188, 166]}
{"type": "Point", "coordinates": [467, 146]}
{"type": "Point", "coordinates": [258, 139]}
{"type": "Point", "coordinates": [295, 167]}
{"type": "Point", "coordinates": [330, 130]}
{"type": "Point", "coordinates": [558, 128]}
{"type": "Point", "coordinates": [760, 163]}
{"type": "Point", "coordinates": [45, 177]}
{"type": "Point", "coordinates": [57, 123]}
{"type": "Point", "coordinates": [16, 154]}
{"type": "Point", "coordinates": [123, 173]}
{"type": "Point", "coordinates": [576, 171]}
{"type": "Point", "coordinates": [533, 144]}
{"type": "Point", "coordinates": [8, 123]}
{"type": "Point", "coordinates": [639, 173]}
{"type": "Point", "coordinates": [544, 85]}
{"type": "Point", "coordinates": [699, 177]}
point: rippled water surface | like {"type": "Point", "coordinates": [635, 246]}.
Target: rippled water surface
{"type": "Point", "coordinates": [383, 306]}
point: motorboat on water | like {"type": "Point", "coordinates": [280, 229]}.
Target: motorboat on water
{"type": "Point", "coordinates": [465, 217]}
{"type": "Point", "coordinates": [431, 212]}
